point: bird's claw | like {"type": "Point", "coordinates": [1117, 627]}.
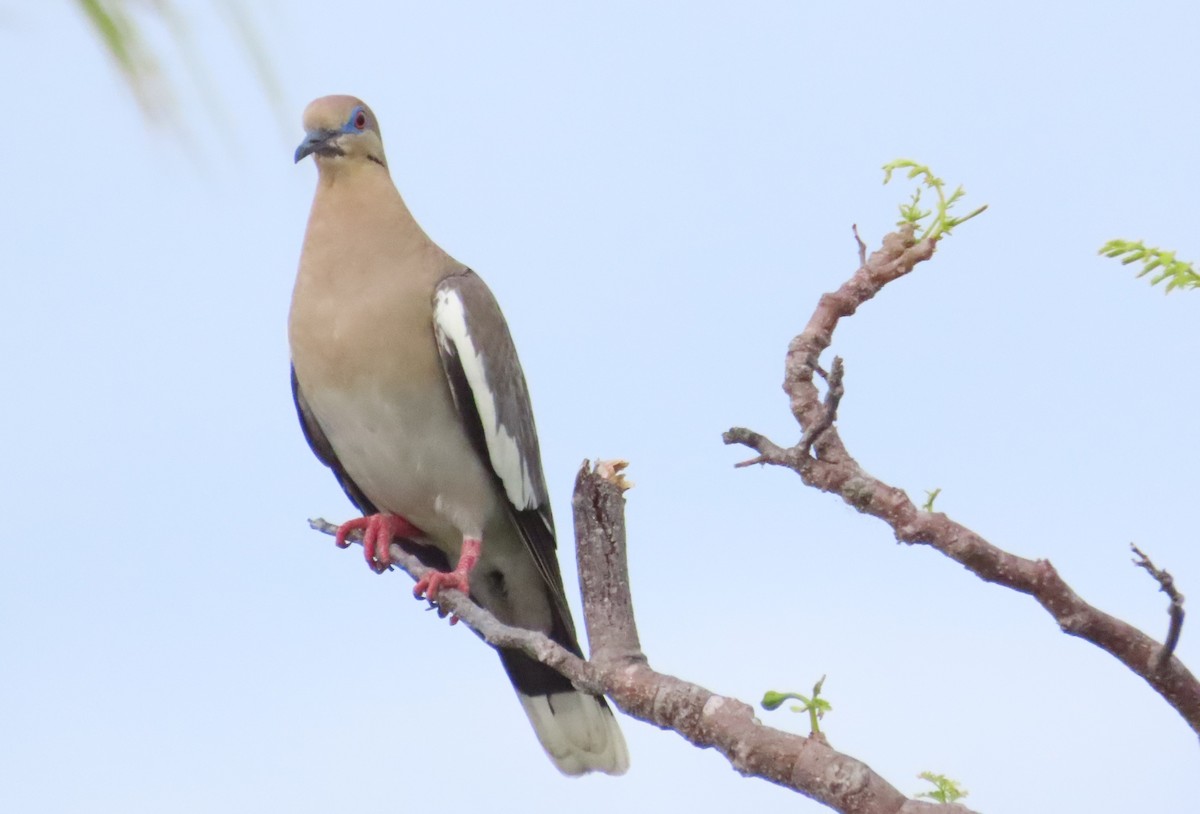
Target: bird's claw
{"type": "Point", "coordinates": [378, 530]}
{"type": "Point", "coordinates": [433, 583]}
{"type": "Point", "coordinates": [429, 586]}
{"type": "Point", "coordinates": [443, 613]}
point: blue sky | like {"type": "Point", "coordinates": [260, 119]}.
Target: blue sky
{"type": "Point", "coordinates": [658, 193]}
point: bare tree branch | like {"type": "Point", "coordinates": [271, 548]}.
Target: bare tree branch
{"type": "Point", "coordinates": [1166, 583]}
{"type": "Point", "coordinates": [619, 669]}
{"type": "Point", "coordinates": [834, 470]}
{"type": "Point", "coordinates": [603, 566]}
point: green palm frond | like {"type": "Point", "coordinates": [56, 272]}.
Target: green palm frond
{"type": "Point", "coordinates": [121, 26]}
{"type": "Point", "coordinates": [121, 36]}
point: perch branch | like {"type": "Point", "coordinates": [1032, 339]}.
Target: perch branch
{"type": "Point", "coordinates": [484, 624]}
{"type": "Point", "coordinates": [834, 470]}
{"type": "Point", "coordinates": [619, 669]}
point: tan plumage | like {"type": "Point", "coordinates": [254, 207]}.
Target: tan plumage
{"type": "Point", "coordinates": [409, 388]}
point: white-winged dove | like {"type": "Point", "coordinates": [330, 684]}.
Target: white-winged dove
{"type": "Point", "coordinates": [408, 387]}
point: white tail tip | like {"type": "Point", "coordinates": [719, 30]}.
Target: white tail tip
{"type": "Point", "coordinates": [578, 732]}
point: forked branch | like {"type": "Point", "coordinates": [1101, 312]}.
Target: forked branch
{"type": "Point", "coordinates": [831, 468]}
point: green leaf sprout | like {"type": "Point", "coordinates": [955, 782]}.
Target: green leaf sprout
{"type": "Point", "coordinates": [945, 790]}
{"type": "Point", "coordinates": [814, 705]}
{"type": "Point", "coordinates": [1176, 273]}
{"type": "Point", "coordinates": [911, 213]}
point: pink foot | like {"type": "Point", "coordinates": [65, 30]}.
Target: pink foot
{"type": "Point", "coordinates": [430, 585]}
{"type": "Point", "coordinates": [378, 531]}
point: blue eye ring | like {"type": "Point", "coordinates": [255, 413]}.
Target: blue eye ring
{"type": "Point", "coordinates": [359, 119]}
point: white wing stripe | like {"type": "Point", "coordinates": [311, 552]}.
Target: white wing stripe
{"type": "Point", "coordinates": [508, 460]}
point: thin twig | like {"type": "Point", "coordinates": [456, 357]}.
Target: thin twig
{"type": "Point", "coordinates": [768, 451]}
{"type": "Point", "coordinates": [833, 397]}
{"type": "Point", "coordinates": [1166, 583]}
{"type": "Point", "coordinates": [862, 247]}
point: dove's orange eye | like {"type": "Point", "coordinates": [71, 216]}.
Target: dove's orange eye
{"type": "Point", "coordinates": [360, 120]}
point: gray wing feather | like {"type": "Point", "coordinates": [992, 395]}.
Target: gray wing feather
{"type": "Point", "coordinates": [324, 450]}
{"type": "Point", "coordinates": [489, 391]}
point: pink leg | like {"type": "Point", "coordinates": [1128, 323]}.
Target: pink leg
{"type": "Point", "coordinates": [434, 582]}
{"type": "Point", "coordinates": [378, 531]}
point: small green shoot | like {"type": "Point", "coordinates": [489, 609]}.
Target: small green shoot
{"type": "Point", "coordinates": [911, 213]}
{"type": "Point", "coordinates": [815, 706]}
{"type": "Point", "coordinates": [1176, 273]}
{"type": "Point", "coordinates": [945, 790]}
{"type": "Point", "coordinates": [931, 496]}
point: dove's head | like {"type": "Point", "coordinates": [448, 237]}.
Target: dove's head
{"type": "Point", "coordinates": [341, 128]}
